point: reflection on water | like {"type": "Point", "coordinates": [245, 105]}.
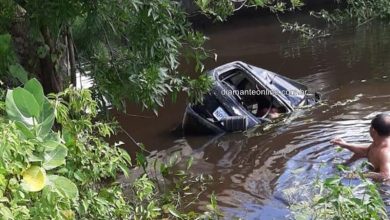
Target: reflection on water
{"type": "Point", "coordinates": [253, 169]}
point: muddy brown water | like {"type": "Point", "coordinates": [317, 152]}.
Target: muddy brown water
{"type": "Point", "coordinates": [256, 173]}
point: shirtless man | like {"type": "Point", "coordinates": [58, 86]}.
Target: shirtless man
{"type": "Point", "coordinates": [378, 152]}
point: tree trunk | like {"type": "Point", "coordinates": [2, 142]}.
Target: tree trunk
{"type": "Point", "coordinates": [49, 70]}
{"type": "Point", "coordinates": [51, 79]}
{"type": "Point", "coordinates": [71, 56]}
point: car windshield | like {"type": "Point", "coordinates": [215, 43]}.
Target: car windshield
{"type": "Point", "coordinates": [292, 91]}
{"type": "Point", "coordinates": [251, 94]}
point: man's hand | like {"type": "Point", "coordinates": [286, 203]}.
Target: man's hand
{"type": "Point", "coordinates": [360, 150]}
{"type": "Point", "coordinates": [378, 177]}
{"type": "Point", "coordinates": [339, 141]}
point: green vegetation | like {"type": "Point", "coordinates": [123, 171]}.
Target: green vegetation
{"type": "Point", "coordinates": [354, 12]}
{"type": "Point", "coordinates": [66, 170]}
{"type": "Point", "coordinates": [130, 48]}
{"type": "Point", "coordinates": [56, 162]}
{"type": "Point", "coordinates": [47, 174]}
{"type": "Point", "coordinates": [337, 197]}
{"type": "Point", "coordinates": [222, 9]}
{"type": "Point", "coordinates": [357, 11]}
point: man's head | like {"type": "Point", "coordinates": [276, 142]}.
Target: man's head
{"type": "Point", "coordinates": [380, 126]}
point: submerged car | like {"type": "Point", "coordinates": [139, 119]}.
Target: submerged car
{"type": "Point", "coordinates": [244, 96]}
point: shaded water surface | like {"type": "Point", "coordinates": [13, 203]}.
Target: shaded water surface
{"type": "Point", "coordinates": [254, 170]}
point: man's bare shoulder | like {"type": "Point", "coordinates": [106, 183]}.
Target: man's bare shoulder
{"type": "Point", "coordinates": [385, 154]}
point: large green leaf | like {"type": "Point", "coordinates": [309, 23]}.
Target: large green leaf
{"type": "Point", "coordinates": [5, 212]}
{"type": "Point", "coordinates": [45, 127]}
{"type": "Point", "coordinates": [18, 72]}
{"type": "Point", "coordinates": [22, 104]}
{"type": "Point", "coordinates": [63, 185]}
{"type": "Point", "coordinates": [34, 179]}
{"type": "Point", "coordinates": [45, 119]}
{"type": "Point", "coordinates": [55, 158]}
{"type": "Point", "coordinates": [26, 131]}
{"type": "Point", "coordinates": [51, 144]}
{"type": "Point", "coordinates": [26, 102]}
{"type": "Point", "coordinates": [35, 88]}
{"type": "Point", "coordinates": [35, 158]}
{"type": "Point", "coordinates": [13, 112]}
{"type": "Point", "coordinates": [53, 136]}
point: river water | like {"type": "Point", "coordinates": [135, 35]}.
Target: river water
{"type": "Point", "coordinates": [255, 171]}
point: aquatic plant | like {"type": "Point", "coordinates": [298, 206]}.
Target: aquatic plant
{"type": "Point", "coordinates": [337, 198]}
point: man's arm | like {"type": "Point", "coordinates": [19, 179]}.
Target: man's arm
{"type": "Point", "coordinates": [360, 150]}
{"type": "Point", "coordinates": [378, 177]}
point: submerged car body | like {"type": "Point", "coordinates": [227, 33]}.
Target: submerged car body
{"type": "Point", "coordinates": [244, 96]}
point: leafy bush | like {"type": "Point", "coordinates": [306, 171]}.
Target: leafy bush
{"type": "Point", "coordinates": [47, 174]}
{"type": "Point", "coordinates": [56, 164]}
